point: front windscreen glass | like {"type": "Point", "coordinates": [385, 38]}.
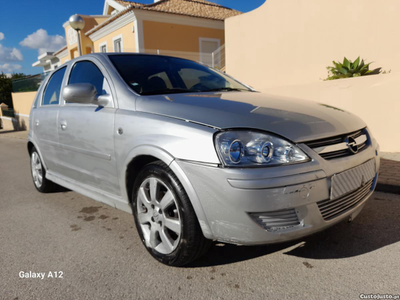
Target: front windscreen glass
{"type": "Point", "coordinates": [155, 75]}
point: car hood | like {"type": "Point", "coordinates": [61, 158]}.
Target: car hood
{"type": "Point", "coordinates": [296, 120]}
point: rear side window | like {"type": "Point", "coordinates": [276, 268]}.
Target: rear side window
{"type": "Point", "coordinates": [88, 72]}
{"type": "Point", "coordinates": [52, 93]}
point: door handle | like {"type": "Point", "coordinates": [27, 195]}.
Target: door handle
{"type": "Point", "coordinates": [37, 122]}
{"type": "Point", "coordinates": [63, 125]}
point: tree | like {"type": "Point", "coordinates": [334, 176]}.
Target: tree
{"type": "Point", "coordinates": [6, 87]}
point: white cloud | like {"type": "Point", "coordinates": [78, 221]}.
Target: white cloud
{"type": "Point", "coordinates": [1, 36]}
{"type": "Point", "coordinates": [10, 54]}
{"type": "Point", "coordinates": [16, 54]}
{"type": "Point", "coordinates": [43, 42]}
{"type": "Point", "coordinates": [9, 68]}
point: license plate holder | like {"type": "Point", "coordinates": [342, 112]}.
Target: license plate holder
{"type": "Point", "coordinates": [352, 179]}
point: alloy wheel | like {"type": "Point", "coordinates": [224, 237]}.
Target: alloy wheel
{"type": "Point", "coordinates": [158, 216]}
{"type": "Point", "coordinates": [37, 170]}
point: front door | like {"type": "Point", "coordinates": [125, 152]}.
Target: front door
{"type": "Point", "coordinates": [86, 134]}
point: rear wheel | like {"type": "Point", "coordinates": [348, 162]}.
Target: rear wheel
{"type": "Point", "coordinates": [165, 218]}
{"type": "Point", "coordinates": [39, 174]}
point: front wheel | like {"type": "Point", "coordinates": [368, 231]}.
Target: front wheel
{"type": "Point", "coordinates": [164, 217]}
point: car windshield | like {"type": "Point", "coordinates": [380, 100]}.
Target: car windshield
{"type": "Point", "coordinates": [155, 75]}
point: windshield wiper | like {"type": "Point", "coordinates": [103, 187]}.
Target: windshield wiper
{"type": "Point", "coordinates": [167, 91]}
{"type": "Point", "coordinates": [226, 89]}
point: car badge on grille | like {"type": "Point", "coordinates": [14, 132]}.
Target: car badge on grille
{"type": "Point", "coordinates": [363, 182]}
{"type": "Point", "coordinates": [352, 144]}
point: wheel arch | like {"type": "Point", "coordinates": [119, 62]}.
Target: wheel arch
{"type": "Point", "coordinates": [30, 145]}
{"type": "Point", "coordinates": [141, 156]}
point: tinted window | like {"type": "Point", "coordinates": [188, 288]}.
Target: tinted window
{"type": "Point", "coordinates": [191, 77]}
{"type": "Point", "coordinates": [88, 72]}
{"type": "Point", "coordinates": [151, 75]}
{"type": "Point", "coordinates": [52, 93]}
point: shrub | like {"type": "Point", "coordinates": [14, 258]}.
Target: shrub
{"type": "Point", "coordinates": [349, 69]}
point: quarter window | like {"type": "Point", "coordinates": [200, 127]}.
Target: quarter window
{"type": "Point", "coordinates": [88, 72]}
{"type": "Point", "coordinates": [52, 93]}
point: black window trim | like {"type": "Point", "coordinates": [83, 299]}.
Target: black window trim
{"type": "Point", "coordinates": [47, 84]}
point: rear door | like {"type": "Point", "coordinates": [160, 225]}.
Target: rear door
{"type": "Point", "coordinates": [45, 119]}
{"type": "Point", "coordinates": [86, 132]}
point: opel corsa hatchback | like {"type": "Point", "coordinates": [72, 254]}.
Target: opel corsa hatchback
{"type": "Point", "coordinates": [196, 155]}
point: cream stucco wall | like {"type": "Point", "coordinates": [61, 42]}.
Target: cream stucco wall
{"type": "Point", "coordinates": [23, 101]}
{"type": "Point", "coordinates": [128, 37]}
{"type": "Point", "coordinates": [375, 99]}
{"type": "Point", "coordinates": [291, 42]}
{"type": "Point", "coordinates": [183, 40]}
{"type": "Point", "coordinates": [284, 47]}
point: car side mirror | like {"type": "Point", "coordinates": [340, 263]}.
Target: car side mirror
{"type": "Point", "coordinates": [84, 93]}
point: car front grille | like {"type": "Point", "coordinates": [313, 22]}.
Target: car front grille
{"type": "Point", "coordinates": [336, 147]}
{"type": "Point", "coordinates": [276, 220]}
{"type": "Point", "coordinates": [331, 209]}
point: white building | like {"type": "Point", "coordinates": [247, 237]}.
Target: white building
{"type": "Point", "coordinates": [51, 60]}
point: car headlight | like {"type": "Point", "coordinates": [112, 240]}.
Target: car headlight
{"type": "Point", "coordinates": [241, 148]}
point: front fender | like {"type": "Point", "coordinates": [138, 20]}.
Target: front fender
{"type": "Point", "coordinates": [169, 160]}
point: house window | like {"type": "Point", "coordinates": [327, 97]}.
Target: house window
{"type": "Point", "coordinates": [103, 47]}
{"type": "Point", "coordinates": [117, 45]}
{"type": "Point", "coordinates": [207, 47]}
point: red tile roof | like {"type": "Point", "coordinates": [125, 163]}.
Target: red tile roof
{"type": "Point", "coordinates": [193, 8]}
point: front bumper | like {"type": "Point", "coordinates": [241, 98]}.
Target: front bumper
{"type": "Point", "coordinates": [232, 199]}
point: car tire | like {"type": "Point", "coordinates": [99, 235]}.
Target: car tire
{"type": "Point", "coordinates": [164, 217]}
{"type": "Point", "coordinates": [38, 173]}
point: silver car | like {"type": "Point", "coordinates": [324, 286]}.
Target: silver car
{"type": "Point", "coordinates": [195, 155]}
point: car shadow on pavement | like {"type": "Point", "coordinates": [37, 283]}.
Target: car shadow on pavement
{"type": "Point", "coordinates": [6, 131]}
{"type": "Point", "coordinates": [222, 254]}
{"type": "Point", "coordinates": [377, 226]}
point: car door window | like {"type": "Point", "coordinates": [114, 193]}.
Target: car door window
{"type": "Point", "coordinates": [88, 72]}
{"type": "Point", "coordinates": [51, 94]}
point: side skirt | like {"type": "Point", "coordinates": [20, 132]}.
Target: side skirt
{"type": "Point", "coordinates": [91, 192]}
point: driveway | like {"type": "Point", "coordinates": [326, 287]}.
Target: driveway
{"type": "Point", "coordinates": [98, 251]}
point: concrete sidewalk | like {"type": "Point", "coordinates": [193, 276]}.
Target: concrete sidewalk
{"type": "Point", "coordinates": [389, 174]}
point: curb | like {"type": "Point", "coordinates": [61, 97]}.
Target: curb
{"type": "Point", "coordinates": [388, 188]}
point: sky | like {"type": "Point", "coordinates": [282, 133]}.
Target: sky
{"type": "Point", "coordinates": [31, 27]}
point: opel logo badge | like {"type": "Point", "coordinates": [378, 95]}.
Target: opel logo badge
{"type": "Point", "coordinates": [352, 144]}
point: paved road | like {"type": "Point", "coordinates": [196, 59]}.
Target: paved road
{"type": "Point", "coordinates": [97, 249]}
